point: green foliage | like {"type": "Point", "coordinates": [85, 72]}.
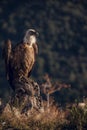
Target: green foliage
{"type": "Point", "coordinates": [62, 26]}
{"type": "Point", "coordinates": [78, 117]}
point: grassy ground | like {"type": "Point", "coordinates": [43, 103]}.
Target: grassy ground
{"type": "Point", "coordinates": [71, 118]}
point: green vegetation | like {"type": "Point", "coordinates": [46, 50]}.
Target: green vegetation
{"type": "Point", "coordinates": [62, 26]}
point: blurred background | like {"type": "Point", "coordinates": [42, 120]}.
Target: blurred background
{"type": "Point", "coordinates": [62, 25]}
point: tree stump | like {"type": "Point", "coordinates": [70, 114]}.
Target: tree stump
{"type": "Point", "coordinates": [27, 95]}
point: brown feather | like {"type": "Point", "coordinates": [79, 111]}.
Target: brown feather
{"type": "Point", "coordinates": [22, 60]}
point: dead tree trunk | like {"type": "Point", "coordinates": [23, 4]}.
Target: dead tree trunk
{"type": "Point", "coordinates": [27, 95]}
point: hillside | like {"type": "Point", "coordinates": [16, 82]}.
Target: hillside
{"type": "Point", "coordinates": [62, 26]}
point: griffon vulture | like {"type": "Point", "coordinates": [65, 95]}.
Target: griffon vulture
{"type": "Point", "coordinates": [20, 59]}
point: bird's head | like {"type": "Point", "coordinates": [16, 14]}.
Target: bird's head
{"type": "Point", "coordinates": [30, 37]}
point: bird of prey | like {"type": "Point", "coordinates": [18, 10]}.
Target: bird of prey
{"type": "Point", "coordinates": [20, 59]}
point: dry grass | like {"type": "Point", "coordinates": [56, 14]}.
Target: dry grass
{"type": "Point", "coordinates": [53, 118]}
{"type": "Point", "coordinates": [34, 120]}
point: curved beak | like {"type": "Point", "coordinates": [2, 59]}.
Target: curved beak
{"type": "Point", "coordinates": [37, 34]}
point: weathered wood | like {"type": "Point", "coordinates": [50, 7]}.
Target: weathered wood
{"type": "Point", "coordinates": [27, 95]}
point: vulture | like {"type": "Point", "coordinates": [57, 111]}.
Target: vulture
{"type": "Point", "coordinates": [20, 59]}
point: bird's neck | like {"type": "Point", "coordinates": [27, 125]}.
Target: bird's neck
{"type": "Point", "coordinates": [32, 40]}
{"type": "Point", "coordinates": [29, 39]}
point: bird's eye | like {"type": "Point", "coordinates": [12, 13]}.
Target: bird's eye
{"type": "Point", "coordinates": [32, 33]}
